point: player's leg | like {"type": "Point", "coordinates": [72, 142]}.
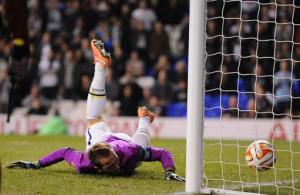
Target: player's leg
{"type": "Point", "coordinates": [97, 96]}
{"type": "Point", "coordinates": [97, 129]}
{"type": "Point", "coordinates": [142, 134]}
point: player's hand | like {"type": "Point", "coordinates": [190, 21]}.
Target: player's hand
{"type": "Point", "coordinates": [23, 165]}
{"type": "Point", "coordinates": [173, 176]}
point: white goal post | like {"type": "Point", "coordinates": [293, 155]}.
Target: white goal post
{"type": "Point", "coordinates": [252, 73]}
{"type": "Point", "coordinates": [194, 151]}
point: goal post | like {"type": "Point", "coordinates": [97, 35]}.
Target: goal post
{"type": "Point", "coordinates": [194, 151]}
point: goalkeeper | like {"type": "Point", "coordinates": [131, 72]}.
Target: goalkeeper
{"type": "Point", "coordinates": [107, 152]}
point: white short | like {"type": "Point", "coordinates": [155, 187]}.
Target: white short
{"type": "Point", "coordinates": [99, 132]}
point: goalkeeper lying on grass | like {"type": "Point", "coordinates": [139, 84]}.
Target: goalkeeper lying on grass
{"type": "Point", "coordinates": [107, 152]}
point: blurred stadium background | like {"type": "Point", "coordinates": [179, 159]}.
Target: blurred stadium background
{"type": "Point", "coordinates": [149, 41]}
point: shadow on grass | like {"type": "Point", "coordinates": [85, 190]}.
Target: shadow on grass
{"type": "Point", "coordinates": [140, 175]}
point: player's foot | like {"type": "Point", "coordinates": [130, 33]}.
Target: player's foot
{"type": "Point", "coordinates": [23, 165]}
{"type": "Point", "coordinates": [144, 112]}
{"type": "Point", "coordinates": [100, 55]}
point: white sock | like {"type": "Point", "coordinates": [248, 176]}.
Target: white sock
{"type": "Point", "coordinates": [142, 134]}
{"type": "Point", "coordinates": [97, 96]}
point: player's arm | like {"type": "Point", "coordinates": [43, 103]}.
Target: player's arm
{"type": "Point", "coordinates": [64, 154]}
{"type": "Point", "coordinates": [165, 157]}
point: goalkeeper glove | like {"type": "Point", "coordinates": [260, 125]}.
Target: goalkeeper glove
{"type": "Point", "coordinates": [173, 176]}
{"type": "Point", "coordinates": [24, 165]}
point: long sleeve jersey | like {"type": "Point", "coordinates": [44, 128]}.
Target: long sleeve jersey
{"type": "Point", "coordinates": [129, 154]}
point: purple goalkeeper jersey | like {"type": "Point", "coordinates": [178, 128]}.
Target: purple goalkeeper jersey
{"type": "Point", "coordinates": [129, 154]}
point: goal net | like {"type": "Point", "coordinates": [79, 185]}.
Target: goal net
{"type": "Point", "coordinates": [252, 92]}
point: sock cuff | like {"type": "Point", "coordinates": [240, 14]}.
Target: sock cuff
{"type": "Point", "coordinates": [98, 95]}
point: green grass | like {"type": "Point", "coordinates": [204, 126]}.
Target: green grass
{"type": "Point", "coordinates": [149, 178]}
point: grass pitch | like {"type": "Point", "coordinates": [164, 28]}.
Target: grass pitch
{"type": "Point", "coordinates": [224, 166]}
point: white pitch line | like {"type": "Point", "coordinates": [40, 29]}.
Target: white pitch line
{"type": "Point", "coordinates": [249, 185]}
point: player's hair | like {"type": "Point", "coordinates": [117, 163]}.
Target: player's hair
{"type": "Point", "coordinates": [100, 150]}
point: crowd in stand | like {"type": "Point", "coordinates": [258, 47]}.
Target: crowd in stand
{"type": "Point", "coordinates": [148, 40]}
{"type": "Point", "coordinates": [257, 56]}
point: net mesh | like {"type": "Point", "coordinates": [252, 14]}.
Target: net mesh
{"type": "Point", "coordinates": [252, 90]}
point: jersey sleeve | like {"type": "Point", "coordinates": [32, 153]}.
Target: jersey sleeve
{"type": "Point", "coordinates": [70, 155]}
{"type": "Point", "coordinates": [158, 154]}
